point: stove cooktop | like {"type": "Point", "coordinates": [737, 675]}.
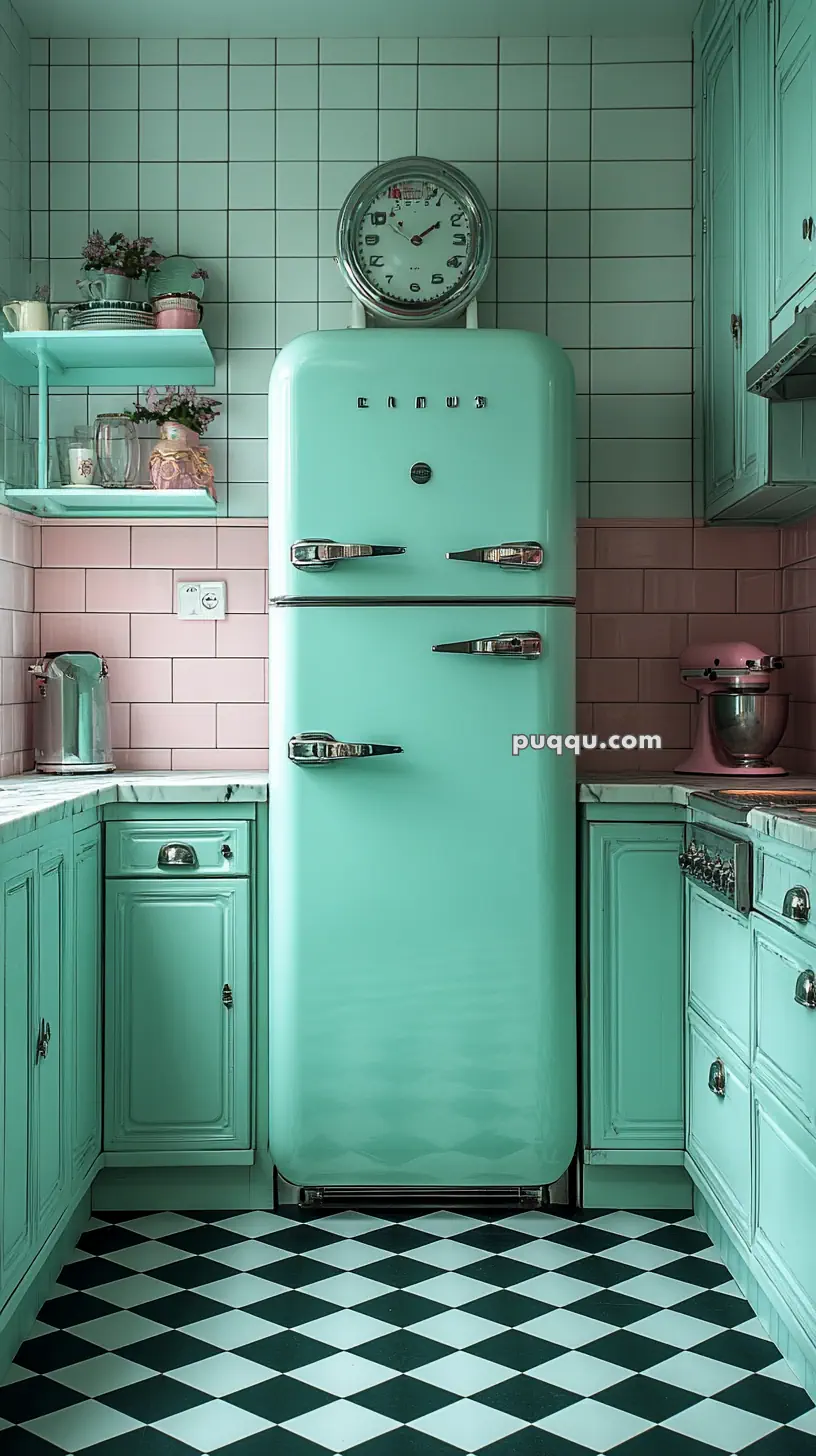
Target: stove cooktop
{"type": "Point", "coordinates": [736, 804]}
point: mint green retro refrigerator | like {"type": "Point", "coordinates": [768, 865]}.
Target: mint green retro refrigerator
{"type": "Point", "coordinates": [422, 894]}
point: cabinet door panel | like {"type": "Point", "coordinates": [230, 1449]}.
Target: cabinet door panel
{"type": "Point", "coordinates": [754, 231]}
{"type": "Point", "coordinates": [719, 1126]}
{"type": "Point", "coordinates": [789, 16]}
{"type": "Point", "coordinates": [52, 1077]}
{"type": "Point", "coordinates": [17, 1048]}
{"type": "Point", "coordinates": [635, 968]}
{"type": "Point", "coordinates": [719, 281]}
{"type": "Point", "coordinates": [785, 1178]}
{"type": "Point", "coordinates": [795, 117]}
{"type": "Point", "coordinates": [177, 1057]}
{"type": "Point", "coordinates": [86, 1129]}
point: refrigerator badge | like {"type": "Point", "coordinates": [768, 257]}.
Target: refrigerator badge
{"type": "Point", "coordinates": [421, 401]}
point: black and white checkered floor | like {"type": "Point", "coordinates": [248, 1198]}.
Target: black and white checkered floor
{"type": "Point", "coordinates": [531, 1335]}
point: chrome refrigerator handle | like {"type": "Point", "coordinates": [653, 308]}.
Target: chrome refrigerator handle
{"type": "Point", "coordinates": [508, 644]}
{"type": "Point", "coordinates": [319, 748]}
{"type": "Point", "coordinates": [512, 555]}
{"type": "Point", "coordinates": [321, 555]}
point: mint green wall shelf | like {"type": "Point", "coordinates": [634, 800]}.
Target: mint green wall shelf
{"type": "Point", "coordinates": [74, 501]}
{"type": "Point", "coordinates": [110, 359]}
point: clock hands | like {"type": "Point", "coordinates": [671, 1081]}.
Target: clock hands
{"type": "Point", "coordinates": [417, 239]}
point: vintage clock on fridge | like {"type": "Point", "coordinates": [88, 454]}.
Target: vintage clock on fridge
{"type": "Point", "coordinates": [413, 240]}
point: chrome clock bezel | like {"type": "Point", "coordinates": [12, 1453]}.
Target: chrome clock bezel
{"type": "Point", "coordinates": [358, 203]}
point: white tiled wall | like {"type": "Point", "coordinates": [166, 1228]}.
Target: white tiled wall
{"type": "Point", "coordinates": [241, 153]}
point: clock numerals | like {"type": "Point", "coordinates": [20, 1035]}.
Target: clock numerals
{"type": "Point", "coordinates": [415, 288]}
{"type": "Point", "coordinates": [437, 278]}
{"type": "Point", "coordinates": [454, 262]}
{"type": "Point", "coordinates": [372, 239]}
{"type": "Point", "coordinates": [378, 219]}
{"type": "Point", "coordinates": [457, 219]}
{"type": "Point", "coordinates": [459, 240]}
{"type": "Point", "coordinates": [376, 260]}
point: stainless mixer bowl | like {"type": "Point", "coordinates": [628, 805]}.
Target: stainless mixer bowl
{"type": "Point", "coordinates": [748, 725]}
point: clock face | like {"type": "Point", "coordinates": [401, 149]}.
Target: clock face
{"type": "Point", "coordinates": [414, 240]}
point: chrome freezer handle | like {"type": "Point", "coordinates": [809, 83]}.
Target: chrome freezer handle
{"type": "Point", "coordinates": [508, 644]}
{"type": "Point", "coordinates": [512, 555]}
{"type": "Point", "coordinates": [320, 555]}
{"type": "Point", "coordinates": [318, 748]}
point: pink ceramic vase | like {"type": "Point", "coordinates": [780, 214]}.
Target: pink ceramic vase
{"type": "Point", "coordinates": [179, 461]}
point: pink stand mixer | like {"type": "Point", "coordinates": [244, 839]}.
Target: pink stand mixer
{"type": "Point", "coordinates": [740, 722]}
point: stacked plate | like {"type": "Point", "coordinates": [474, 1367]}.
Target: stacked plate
{"type": "Point", "coordinates": [112, 314]}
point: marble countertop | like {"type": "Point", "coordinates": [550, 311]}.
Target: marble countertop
{"type": "Point", "coordinates": [32, 801]}
{"type": "Point", "coordinates": [785, 825]}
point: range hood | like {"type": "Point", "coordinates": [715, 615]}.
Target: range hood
{"type": "Point", "coordinates": [788, 370]}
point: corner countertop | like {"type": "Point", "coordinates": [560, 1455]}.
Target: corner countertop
{"type": "Point", "coordinates": [787, 826]}
{"type": "Point", "coordinates": [32, 801]}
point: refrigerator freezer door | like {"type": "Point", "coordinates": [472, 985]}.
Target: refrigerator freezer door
{"type": "Point", "coordinates": [455, 445]}
{"type": "Point", "coordinates": [423, 903]}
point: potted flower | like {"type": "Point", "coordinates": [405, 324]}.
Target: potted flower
{"type": "Point", "coordinates": [120, 261]}
{"type": "Point", "coordinates": [179, 461]}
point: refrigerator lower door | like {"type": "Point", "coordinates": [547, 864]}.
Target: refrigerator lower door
{"type": "Point", "coordinates": [422, 903]}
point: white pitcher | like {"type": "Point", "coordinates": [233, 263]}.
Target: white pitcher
{"type": "Point", "coordinates": [27, 315]}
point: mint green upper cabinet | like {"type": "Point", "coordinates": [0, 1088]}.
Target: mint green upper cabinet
{"type": "Point", "coordinates": [177, 1021]}
{"type": "Point", "coordinates": [720, 301]}
{"type": "Point", "coordinates": [754, 232]}
{"type": "Point", "coordinates": [795, 162]}
{"type": "Point", "coordinates": [18, 883]}
{"type": "Point", "coordinates": [789, 16]}
{"type": "Point", "coordinates": [633, 972]}
{"type": "Point", "coordinates": [86, 1092]}
{"type": "Point", "coordinates": [51, 1082]}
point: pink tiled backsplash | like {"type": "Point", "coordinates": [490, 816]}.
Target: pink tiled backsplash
{"type": "Point", "coordinates": [645, 589]}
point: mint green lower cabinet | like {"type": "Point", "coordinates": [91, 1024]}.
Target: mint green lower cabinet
{"type": "Point", "coordinates": [177, 1016]}
{"type": "Point", "coordinates": [18, 885]}
{"type": "Point", "coordinates": [785, 1196]}
{"type": "Point", "coordinates": [633, 989]}
{"type": "Point", "coordinates": [51, 1080]}
{"type": "Point", "coordinates": [85, 1098]}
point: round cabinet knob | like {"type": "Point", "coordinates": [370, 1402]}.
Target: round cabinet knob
{"type": "Point", "coordinates": [805, 993]}
{"type": "Point", "coordinates": [716, 1078]}
{"type": "Point", "coordinates": [796, 904]}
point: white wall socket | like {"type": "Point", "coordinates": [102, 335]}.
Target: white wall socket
{"type": "Point", "coordinates": [205, 600]}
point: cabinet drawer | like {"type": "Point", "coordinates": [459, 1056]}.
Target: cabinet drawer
{"type": "Point", "coordinates": [785, 990]}
{"type": "Point", "coordinates": [719, 967]}
{"type": "Point", "coordinates": [785, 889]}
{"type": "Point", "coordinates": [176, 850]}
{"type": "Point", "coordinates": [785, 1178]}
{"type": "Point", "coordinates": [719, 1126]}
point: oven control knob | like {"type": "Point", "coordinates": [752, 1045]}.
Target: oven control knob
{"type": "Point", "coordinates": [717, 874]}
{"type": "Point", "coordinates": [707, 870]}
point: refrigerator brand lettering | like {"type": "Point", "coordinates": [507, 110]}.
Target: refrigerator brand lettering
{"type": "Point", "coordinates": [421, 401]}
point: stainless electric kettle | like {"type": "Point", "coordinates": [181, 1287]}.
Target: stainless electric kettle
{"type": "Point", "coordinates": [72, 714]}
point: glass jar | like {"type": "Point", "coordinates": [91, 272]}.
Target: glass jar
{"type": "Point", "coordinates": [117, 450]}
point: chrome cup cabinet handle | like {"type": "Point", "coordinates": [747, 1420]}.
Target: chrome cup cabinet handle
{"type": "Point", "coordinates": [716, 1077]}
{"type": "Point", "coordinates": [805, 992]}
{"type": "Point", "coordinates": [796, 904]}
{"type": "Point", "coordinates": [177, 857]}
{"type": "Point", "coordinates": [321, 748]}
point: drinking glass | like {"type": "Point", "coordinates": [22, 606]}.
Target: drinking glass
{"type": "Point", "coordinates": [117, 449]}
